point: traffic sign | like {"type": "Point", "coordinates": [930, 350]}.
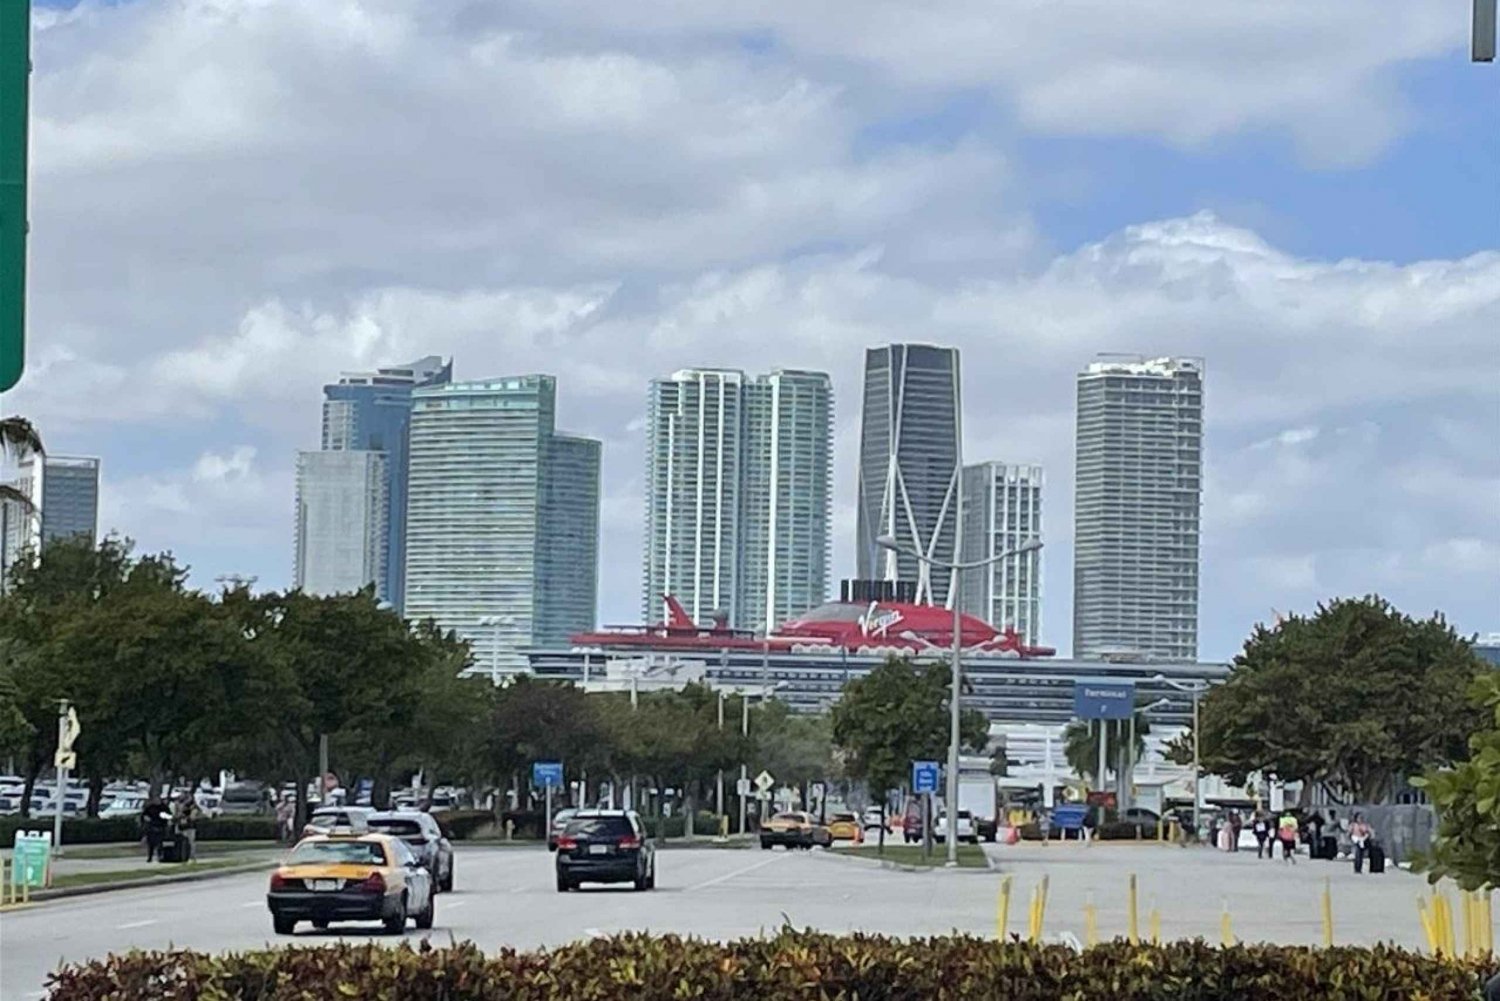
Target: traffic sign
{"type": "Point", "coordinates": [1103, 698]}
{"type": "Point", "coordinates": [65, 759]}
{"type": "Point", "coordinates": [30, 859]}
{"type": "Point", "coordinates": [764, 781]}
{"type": "Point", "coordinates": [742, 787]}
{"type": "Point", "coordinates": [15, 74]}
{"type": "Point", "coordinates": [924, 776]}
{"type": "Point", "coordinates": [547, 774]}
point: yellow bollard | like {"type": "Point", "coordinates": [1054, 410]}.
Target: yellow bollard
{"type": "Point", "coordinates": [1226, 927]}
{"type": "Point", "coordinates": [1429, 929]}
{"type": "Point", "coordinates": [1002, 909]}
{"type": "Point", "coordinates": [1487, 919]}
{"type": "Point", "coordinates": [1154, 919]}
{"type": "Point", "coordinates": [1090, 923]}
{"type": "Point", "coordinates": [1133, 925]}
{"type": "Point", "coordinates": [1443, 921]}
{"type": "Point", "coordinates": [1327, 913]}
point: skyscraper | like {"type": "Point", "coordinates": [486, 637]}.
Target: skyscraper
{"type": "Point", "coordinates": [1136, 507]}
{"type": "Point", "coordinates": [371, 412]}
{"type": "Point", "coordinates": [64, 495]}
{"type": "Point", "coordinates": [909, 456]}
{"type": "Point", "coordinates": [502, 518]}
{"type": "Point", "coordinates": [738, 500]}
{"type": "Point", "coordinates": [343, 514]}
{"type": "Point", "coordinates": [1002, 510]}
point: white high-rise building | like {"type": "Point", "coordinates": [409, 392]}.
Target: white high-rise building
{"type": "Point", "coordinates": [502, 524]}
{"type": "Point", "coordinates": [1002, 511]}
{"type": "Point", "coordinates": [909, 456]}
{"type": "Point", "coordinates": [342, 518]}
{"type": "Point", "coordinates": [1137, 498]}
{"type": "Point", "coordinates": [738, 500]}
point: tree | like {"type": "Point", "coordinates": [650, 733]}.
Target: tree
{"type": "Point", "coordinates": [895, 715]}
{"type": "Point", "coordinates": [1081, 745]}
{"type": "Point", "coordinates": [1466, 796]}
{"type": "Point", "coordinates": [1353, 697]}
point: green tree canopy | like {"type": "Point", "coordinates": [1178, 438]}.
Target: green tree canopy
{"type": "Point", "coordinates": [1354, 697]}
{"type": "Point", "coordinates": [1467, 799]}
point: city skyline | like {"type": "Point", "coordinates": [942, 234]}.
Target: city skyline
{"type": "Point", "coordinates": [631, 195]}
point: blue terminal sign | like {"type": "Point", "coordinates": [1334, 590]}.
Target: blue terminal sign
{"type": "Point", "coordinates": [924, 776]}
{"type": "Point", "coordinates": [547, 774]}
{"type": "Point", "coordinates": [1103, 698]}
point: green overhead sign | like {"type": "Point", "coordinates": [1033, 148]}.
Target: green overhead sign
{"type": "Point", "coordinates": [15, 71]}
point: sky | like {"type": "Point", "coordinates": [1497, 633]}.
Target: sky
{"type": "Point", "coordinates": [235, 200]}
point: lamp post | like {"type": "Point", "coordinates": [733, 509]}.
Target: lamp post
{"type": "Point", "coordinates": [495, 622]}
{"type": "Point", "coordinates": [955, 593]}
{"type": "Point", "coordinates": [1197, 688]}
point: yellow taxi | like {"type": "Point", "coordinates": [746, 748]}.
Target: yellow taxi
{"type": "Point", "coordinates": [350, 877]}
{"type": "Point", "coordinates": [845, 827]}
{"type": "Point", "coordinates": [794, 830]}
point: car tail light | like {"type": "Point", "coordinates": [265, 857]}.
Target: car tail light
{"type": "Point", "coordinates": [278, 881]}
{"type": "Point", "coordinates": [566, 844]}
{"type": "Point", "coordinates": [630, 842]}
{"type": "Point", "coordinates": [373, 883]}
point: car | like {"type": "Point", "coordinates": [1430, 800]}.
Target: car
{"type": "Point", "coordinates": [424, 837]}
{"type": "Point", "coordinates": [338, 820]}
{"type": "Point", "coordinates": [246, 799]}
{"type": "Point", "coordinates": [559, 824]}
{"type": "Point", "coordinates": [794, 830]}
{"type": "Point", "coordinates": [874, 819]}
{"type": "Point", "coordinates": [605, 846]}
{"type": "Point", "coordinates": [965, 828]}
{"type": "Point", "coordinates": [845, 827]}
{"type": "Point", "coordinates": [125, 805]}
{"type": "Point", "coordinates": [343, 877]}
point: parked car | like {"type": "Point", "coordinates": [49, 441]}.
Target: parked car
{"type": "Point", "coordinates": [794, 830]}
{"type": "Point", "coordinates": [964, 827]}
{"type": "Point", "coordinates": [605, 846]}
{"type": "Point", "coordinates": [425, 839]}
{"type": "Point", "coordinates": [125, 805]}
{"type": "Point", "coordinates": [241, 799]}
{"type": "Point", "coordinates": [337, 820]}
{"type": "Point", "coordinates": [874, 819]}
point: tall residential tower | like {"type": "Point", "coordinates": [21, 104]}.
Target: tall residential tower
{"type": "Point", "coordinates": [1002, 511]}
{"type": "Point", "coordinates": [1136, 508]}
{"type": "Point", "coordinates": [909, 454]}
{"type": "Point", "coordinates": [502, 525]}
{"type": "Point", "coordinates": [738, 499]}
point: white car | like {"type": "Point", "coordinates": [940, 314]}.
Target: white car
{"type": "Point", "coordinates": [966, 829]}
{"type": "Point", "coordinates": [124, 806]}
{"type": "Point", "coordinates": [873, 821]}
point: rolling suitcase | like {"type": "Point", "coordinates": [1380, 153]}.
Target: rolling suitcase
{"type": "Point", "coordinates": [1330, 847]}
{"type": "Point", "coordinates": [1377, 858]}
{"type": "Point", "coordinates": [173, 848]}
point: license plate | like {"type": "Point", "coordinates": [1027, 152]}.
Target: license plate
{"type": "Point", "coordinates": [598, 849]}
{"type": "Point", "coordinates": [325, 885]}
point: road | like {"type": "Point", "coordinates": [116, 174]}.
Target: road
{"type": "Point", "coordinates": [507, 896]}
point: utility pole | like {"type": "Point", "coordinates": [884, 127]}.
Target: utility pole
{"type": "Point", "coordinates": [744, 766]}
{"type": "Point", "coordinates": [719, 788]}
{"type": "Point", "coordinates": [322, 767]}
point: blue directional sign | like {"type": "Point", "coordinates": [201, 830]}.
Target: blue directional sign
{"type": "Point", "coordinates": [547, 774]}
{"type": "Point", "coordinates": [1103, 698]}
{"type": "Point", "coordinates": [924, 776]}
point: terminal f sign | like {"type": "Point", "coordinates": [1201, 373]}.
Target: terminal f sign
{"type": "Point", "coordinates": [1103, 698]}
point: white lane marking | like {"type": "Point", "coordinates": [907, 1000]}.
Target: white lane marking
{"type": "Point", "coordinates": [456, 903]}
{"type": "Point", "coordinates": [135, 924]}
{"type": "Point", "coordinates": [738, 872]}
{"type": "Point", "coordinates": [253, 903]}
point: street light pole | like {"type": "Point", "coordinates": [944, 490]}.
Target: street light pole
{"type": "Point", "coordinates": [1197, 688]}
{"type": "Point", "coordinates": [955, 592]}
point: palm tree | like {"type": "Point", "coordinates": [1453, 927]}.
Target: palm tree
{"type": "Point", "coordinates": [1081, 744]}
{"type": "Point", "coordinates": [19, 439]}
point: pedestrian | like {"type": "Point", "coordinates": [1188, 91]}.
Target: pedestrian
{"type": "Point", "coordinates": [1262, 828]}
{"type": "Point", "coordinates": [154, 817]}
{"type": "Point", "coordinates": [1315, 835]}
{"type": "Point", "coordinates": [1359, 835]}
{"type": "Point", "coordinates": [1235, 826]}
{"type": "Point", "coordinates": [1089, 827]}
{"type": "Point", "coordinates": [185, 818]}
{"type": "Point", "coordinates": [1286, 831]}
{"type": "Point", "coordinates": [284, 811]}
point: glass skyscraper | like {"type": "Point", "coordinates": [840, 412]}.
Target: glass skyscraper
{"type": "Point", "coordinates": [738, 499]}
{"type": "Point", "coordinates": [909, 455]}
{"type": "Point", "coordinates": [1137, 498]}
{"type": "Point", "coordinates": [371, 412]}
{"type": "Point", "coordinates": [1002, 511]}
{"type": "Point", "coordinates": [343, 514]}
{"type": "Point", "coordinates": [502, 518]}
{"type": "Point", "coordinates": [64, 492]}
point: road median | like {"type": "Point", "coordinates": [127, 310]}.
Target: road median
{"type": "Point", "coordinates": [88, 883]}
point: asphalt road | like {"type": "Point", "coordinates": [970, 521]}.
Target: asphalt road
{"type": "Point", "coordinates": [508, 896]}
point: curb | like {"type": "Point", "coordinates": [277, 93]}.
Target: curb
{"type": "Point", "coordinates": [62, 893]}
{"type": "Point", "coordinates": [878, 863]}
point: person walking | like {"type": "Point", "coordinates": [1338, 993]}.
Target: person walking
{"type": "Point", "coordinates": [185, 818]}
{"type": "Point", "coordinates": [1359, 835]}
{"type": "Point", "coordinates": [284, 811]}
{"type": "Point", "coordinates": [1261, 825]}
{"type": "Point", "coordinates": [1236, 824]}
{"type": "Point", "coordinates": [1286, 831]}
{"type": "Point", "coordinates": [154, 818]}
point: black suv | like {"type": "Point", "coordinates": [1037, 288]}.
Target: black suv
{"type": "Point", "coordinates": [605, 846]}
{"type": "Point", "coordinates": [425, 839]}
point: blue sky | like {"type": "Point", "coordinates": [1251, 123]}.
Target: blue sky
{"type": "Point", "coordinates": [1302, 194]}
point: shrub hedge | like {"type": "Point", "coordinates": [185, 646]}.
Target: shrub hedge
{"type": "Point", "coordinates": [103, 830]}
{"type": "Point", "coordinates": [789, 965]}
